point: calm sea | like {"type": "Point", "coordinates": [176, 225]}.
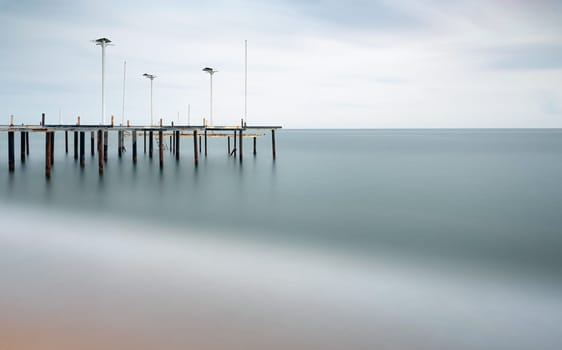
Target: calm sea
{"type": "Point", "coordinates": [474, 205]}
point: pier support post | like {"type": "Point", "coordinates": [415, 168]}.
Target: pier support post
{"type": "Point", "coordinates": [22, 146]}
{"type": "Point", "coordinates": [205, 142]}
{"type": "Point", "coordinates": [100, 151]}
{"type": "Point", "coordinates": [105, 140]}
{"type": "Point", "coordinates": [27, 143]}
{"type": "Point", "coordinates": [177, 145]}
{"type": "Point", "coordinates": [273, 143]}
{"type": "Point", "coordinates": [172, 142]}
{"type": "Point", "coordinates": [255, 146]}
{"type": "Point", "coordinates": [234, 150]}
{"type": "Point", "coordinates": [52, 148]}
{"type": "Point", "coordinates": [161, 148]}
{"type": "Point", "coordinates": [241, 143]}
{"type": "Point", "coordinates": [48, 154]}
{"type": "Point", "coordinates": [200, 143]}
{"type": "Point", "coordinates": [93, 153]}
{"type": "Point", "coordinates": [11, 161]}
{"type": "Point", "coordinates": [76, 145]}
{"type": "Point", "coordinates": [119, 143]}
{"type": "Point", "coordinates": [82, 162]}
{"type": "Point", "coordinates": [66, 141]}
{"type": "Point", "coordinates": [144, 142]}
{"type": "Point", "coordinates": [195, 153]}
{"type": "Point", "coordinates": [134, 147]}
{"type": "Point", "coordinates": [150, 138]}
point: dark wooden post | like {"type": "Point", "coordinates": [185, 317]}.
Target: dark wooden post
{"type": "Point", "coordinates": [205, 142]}
{"type": "Point", "coordinates": [22, 146]}
{"type": "Point", "coordinates": [52, 148]}
{"type": "Point", "coordinates": [273, 142]}
{"type": "Point", "coordinates": [241, 143]}
{"type": "Point", "coordinates": [200, 148]}
{"type": "Point", "coordinates": [100, 151]}
{"type": "Point", "coordinates": [42, 119]}
{"type": "Point", "coordinates": [27, 142]}
{"type": "Point", "coordinates": [119, 143]}
{"type": "Point", "coordinates": [255, 146]}
{"type": "Point", "coordinates": [82, 163]}
{"type": "Point", "coordinates": [228, 145]}
{"type": "Point", "coordinates": [75, 145]}
{"type": "Point", "coordinates": [92, 143]}
{"type": "Point", "coordinates": [11, 161]}
{"type": "Point", "coordinates": [144, 142]}
{"type": "Point", "coordinates": [161, 137]}
{"type": "Point", "coordinates": [172, 142]}
{"type": "Point", "coordinates": [234, 149]}
{"type": "Point", "coordinates": [105, 141]}
{"type": "Point", "coordinates": [150, 137]}
{"type": "Point", "coordinates": [48, 154]}
{"type": "Point", "coordinates": [134, 147]}
{"type": "Point", "coordinates": [177, 146]}
{"type": "Point", "coordinates": [66, 141]}
{"type": "Point", "coordinates": [195, 153]}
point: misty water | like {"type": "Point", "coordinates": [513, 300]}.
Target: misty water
{"type": "Point", "coordinates": [410, 238]}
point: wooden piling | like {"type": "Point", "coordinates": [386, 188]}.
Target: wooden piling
{"type": "Point", "coordinates": [22, 146]}
{"type": "Point", "coordinates": [76, 145]}
{"type": "Point", "coordinates": [82, 162]}
{"type": "Point", "coordinates": [255, 146]}
{"type": "Point", "coordinates": [11, 161]}
{"type": "Point", "coordinates": [177, 145]}
{"type": "Point", "coordinates": [150, 138]}
{"type": "Point", "coordinates": [240, 146]}
{"type": "Point", "coordinates": [234, 150]}
{"type": "Point", "coordinates": [27, 143]}
{"type": "Point", "coordinates": [100, 151]}
{"type": "Point", "coordinates": [134, 147]}
{"type": "Point", "coordinates": [105, 141]}
{"type": "Point", "coordinates": [171, 143]}
{"type": "Point", "coordinates": [119, 143]}
{"type": "Point", "coordinates": [66, 141]}
{"type": "Point", "coordinates": [273, 142]}
{"type": "Point", "coordinates": [161, 149]}
{"type": "Point", "coordinates": [42, 119]}
{"type": "Point", "coordinates": [52, 148]}
{"type": "Point", "coordinates": [195, 153]}
{"type": "Point", "coordinates": [205, 142]}
{"type": "Point", "coordinates": [200, 148]}
{"type": "Point", "coordinates": [48, 154]}
{"type": "Point", "coordinates": [93, 153]}
{"type": "Point", "coordinates": [144, 142]}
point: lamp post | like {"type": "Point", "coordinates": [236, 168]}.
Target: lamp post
{"type": "Point", "coordinates": [151, 77]}
{"type": "Point", "coordinates": [211, 71]}
{"type": "Point", "coordinates": [103, 42]}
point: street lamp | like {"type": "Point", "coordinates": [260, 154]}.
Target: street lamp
{"type": "Point", "coordinates": [151, 77]}
{"type": "Point", "coordinates": [103, 42]}
{"type": "Point", "coordinates": [211, 71]}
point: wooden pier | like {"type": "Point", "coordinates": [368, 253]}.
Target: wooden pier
{"type": "Point", "coordinates": [103, 132]}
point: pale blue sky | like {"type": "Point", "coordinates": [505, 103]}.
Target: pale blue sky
{"type": "Point", "coordinates": [325, 63]}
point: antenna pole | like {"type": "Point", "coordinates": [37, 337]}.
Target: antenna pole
{"type": "Point", "coordinates": [124, 76]}
{"type": "Point", "coordinates": [245, 80]}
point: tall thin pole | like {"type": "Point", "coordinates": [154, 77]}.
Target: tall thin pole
{"type": "Point", "coordinates": [151, 118]}
{"type": "Point", "coordinates": [103, 82]}
{"type": "Point", "coordinates": [124, 77]}
{"type": "Point", "coordinates": [245, 80]}
{"type": "Point", "coordinates": [211, 109]}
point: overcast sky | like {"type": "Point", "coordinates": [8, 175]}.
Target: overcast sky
{"type": "Point", "coordinates": [315, 63]}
